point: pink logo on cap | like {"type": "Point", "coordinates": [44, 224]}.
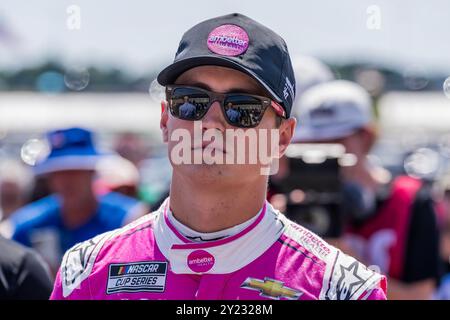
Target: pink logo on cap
{"type": "Point", "coordinates": [228, 40]}
{"type": "Point", "coordinates": [200, 261]}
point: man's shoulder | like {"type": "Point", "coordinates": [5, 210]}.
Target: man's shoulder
{"type": "Point", "coordinates": [12, 253]}
{"type": "Point", "coordinates": [15, 255]}
{"type": "Point", "coordinates": [405, 188]}
{"type": "Point", "coordinates": [118, 204]}
{"type": "Point", "coordinates": [342, 276]}
{"type": "Point", "coordinates": [23, 269]}
{"type": "Point", "coordinates": [307, 240]}
{"type": "Point", "coordinates": [93, 256]}
{"type": "Point", "coordinates": [38, 214]}
{"type": "Point", "coordinates": [118, 209]}
{"type": "Point", "coordinates": [36, 211]}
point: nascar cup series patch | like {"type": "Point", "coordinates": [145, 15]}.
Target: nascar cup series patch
{"type": "Point", "coordinates": [149, 276]}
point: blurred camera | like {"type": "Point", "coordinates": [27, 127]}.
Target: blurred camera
{"type": "Point", "coordinates": [312, 187]}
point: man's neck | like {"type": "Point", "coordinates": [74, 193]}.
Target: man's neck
{"type": "Point", "coordinates": [206, 208]}
{"type": "Point", "coordinates": [76, 212]}
{"type": "Point", "coordinates": [364, 174]}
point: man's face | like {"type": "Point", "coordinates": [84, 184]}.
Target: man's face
{"type": "Point", "coordinates": [11, 195]}
{"type": "Point", "coordinates": [71, 183]}
{"type": "Point", "coordinates": [353, 144]}
{"type": "Point", "coordinates": [224, 80]}
{"type": "Point", "coordinates": [356, 144]}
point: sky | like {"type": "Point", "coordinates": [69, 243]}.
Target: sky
{"type": "Point", "coordinates": [142, 35]}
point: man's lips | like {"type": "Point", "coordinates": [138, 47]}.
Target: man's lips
{"type": "Point", "coordinates": [209, 145]}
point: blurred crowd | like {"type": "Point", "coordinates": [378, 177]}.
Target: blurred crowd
{"type": "Point", "coordinates": [396, 222]}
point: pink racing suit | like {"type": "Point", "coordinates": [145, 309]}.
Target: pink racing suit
{"type": "Point", "coordinates": [272, 258]}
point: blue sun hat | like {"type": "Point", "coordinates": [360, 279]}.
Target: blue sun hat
{"type": "Point", "coordinates": [70, 149]}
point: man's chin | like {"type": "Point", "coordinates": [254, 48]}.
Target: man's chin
{"type": "Point", "coordinates": [208, 173]}
{"type": "Point", "coordinates": [217, 173]}
{"type": "Point", "coordinates": [204, 166]}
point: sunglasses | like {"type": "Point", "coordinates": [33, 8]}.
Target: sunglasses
{"type": "Point", "coordinates": [239, 109]}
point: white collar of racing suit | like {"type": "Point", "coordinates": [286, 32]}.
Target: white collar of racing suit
{"type": "Point", "coordinates": [220, 256]}
{"type": "Point", "coordinates": [196, 236]}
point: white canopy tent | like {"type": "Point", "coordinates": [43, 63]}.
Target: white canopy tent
{"type": "Point", "coordinates": [410, 121]}
{"type": "Point", "coordinates": [417, 111]}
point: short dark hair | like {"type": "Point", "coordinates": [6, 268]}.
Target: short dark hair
{"type": "Point", "coordinates": [278, 121]}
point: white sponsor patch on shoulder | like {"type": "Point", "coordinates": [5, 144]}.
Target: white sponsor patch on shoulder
{"type": "Point", "coordinates": [308, 239]}
{"type": "Point", "coordinates": [78, 262]}
{"type": "Point", "coordinates": [347, 279]}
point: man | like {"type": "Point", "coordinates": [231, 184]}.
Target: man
{"type": "Point", "coordinates": [187, 109]}
{"type": "Point", "coordinates": [16, 183]}
{"type": "Point", "coordinates": [73, 213]}
{"type": "Point", "coordinates": [117, 174]}
{"type": "Point", "coordinates": [132, 147]}
{"type": "Point", "coordinates": [391, 224]}
{"type": "Point", "coordinates": [443, 185]}
{"type": "Point", "coordinates": [309, 72]}
{"type": "Point", "coordinates": [216, 237]}
{"type": "Point", "coordinates": [23, 273]}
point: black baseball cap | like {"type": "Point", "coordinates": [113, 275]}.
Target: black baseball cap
{"type": "Point", "coordinates": [238, 42]}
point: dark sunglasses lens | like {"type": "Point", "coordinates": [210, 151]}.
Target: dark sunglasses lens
{"type": "Point", "coordinates": [188, 103]}
{"type": "Point", "coordinates": [243, 111]}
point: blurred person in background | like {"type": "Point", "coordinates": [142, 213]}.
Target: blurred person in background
{"type": "Point", "coordinates": [443, 292]}
{"type": "Point", "coordinates": [391, 224]}
{"type": "Point", "coordinates": [74, 212]}
{"type": "Point", "coordinates": [16, 184]}
{"type": "Point", "coordinates": [41, 188]}
{"type": "Point", "coordinates": [117, 174]}
{"type": "Point", "coordinates": [309, 71]}
{"type": "Point", "coordinates": [131, 147]}
{"type": "Point", "coordinates": [23, 273]}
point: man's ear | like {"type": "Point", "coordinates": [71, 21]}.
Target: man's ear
{"type": "Point", "coordinates": [369, 137]}
{"type": "Point", "coordinates": [286, 132]}
{"type": "Point", "coordinates": [163, 122]}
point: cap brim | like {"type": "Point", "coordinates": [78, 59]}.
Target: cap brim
{"type": "Point", "coordinates": [305, 134]}
{"type": "Point", "coordinates": [173, 71]}
{"type": "Point", "coordinates": [67, 163]}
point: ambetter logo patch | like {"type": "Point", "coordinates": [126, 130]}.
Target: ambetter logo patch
{"type": "Point", "coordinates": [228, 40]}
{"type": "Point", "coordinates": [200, 261]}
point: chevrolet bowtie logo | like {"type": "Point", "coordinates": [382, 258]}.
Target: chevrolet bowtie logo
{"type": "Point", "coordinates": [270, 288]}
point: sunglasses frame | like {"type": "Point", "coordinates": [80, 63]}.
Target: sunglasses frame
{"type": "Point", "coordinates": [221, 97]}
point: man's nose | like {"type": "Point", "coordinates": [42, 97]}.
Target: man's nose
{"type": "Point", "coordinates": [214, 118]}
